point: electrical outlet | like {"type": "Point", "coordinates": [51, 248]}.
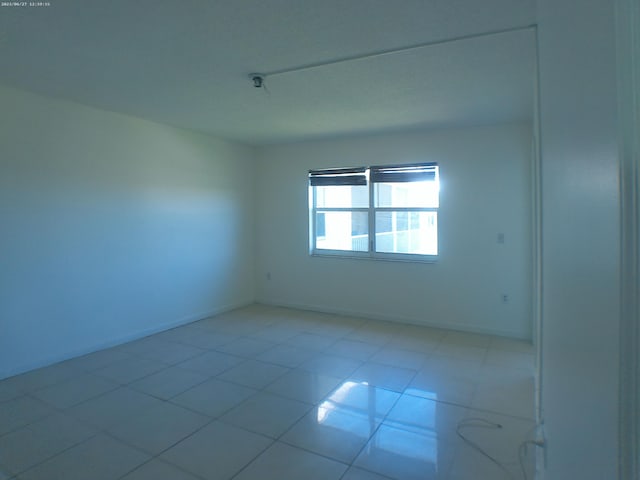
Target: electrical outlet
{"type": "Point", "coordinates": [268, 275]}
{"type": "Point", "coordinates": [505, 298]}
{"type": "Point", "coordinates": [501, 238]}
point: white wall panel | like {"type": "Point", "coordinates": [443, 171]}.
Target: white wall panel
{"type": "Point", "coordinates": [485, 190]}
{"type": "Point", "coordinates": [113, 227]}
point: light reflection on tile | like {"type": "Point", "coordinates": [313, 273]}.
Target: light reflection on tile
{"type": "Point", "coordinates": [359, 396]}
{"type": "Point", "coordinates": [342, 423]}
{"type": "Point", "coordinates": [409, 454]}
{"type": "Point", "coordinates": [333, 432]}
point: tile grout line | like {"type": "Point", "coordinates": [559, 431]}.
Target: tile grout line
{"type": "Point", "coordinates": [263, 389]}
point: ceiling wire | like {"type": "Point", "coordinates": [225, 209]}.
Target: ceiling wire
{"type": "Point", "coordinates": [310, 66]}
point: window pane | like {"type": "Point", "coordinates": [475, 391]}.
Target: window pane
{"type": "Point", "coordinates": [342, 196]}
{"type": "Point", "coordinates": [407, 232]}
{"type": "Point", "coordinates": [407, 194]}
{"type": "Point", "coordinates": [320, 228]}
{"type": "Point", "coordinates": [343, 231]}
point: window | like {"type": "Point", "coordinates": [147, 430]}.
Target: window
{"type": "Point", "coordinates": [379, 211]}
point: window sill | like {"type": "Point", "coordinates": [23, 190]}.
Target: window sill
{"type": "Point", "coordinates": [408, 258]}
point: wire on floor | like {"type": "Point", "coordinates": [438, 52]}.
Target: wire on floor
{"type": "Point", "coordinates": [522, 454]}
{"type": "Point", "coordinates": [482, 423]}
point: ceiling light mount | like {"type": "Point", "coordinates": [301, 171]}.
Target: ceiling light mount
{"type": "Point", "coordinates": [257, 79]}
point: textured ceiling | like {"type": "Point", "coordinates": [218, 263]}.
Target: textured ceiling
{"type": "Point", "coordinates": [186, 63]}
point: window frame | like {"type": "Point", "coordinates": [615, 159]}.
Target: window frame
{"type": "Point", "coordinates": [371, 211]}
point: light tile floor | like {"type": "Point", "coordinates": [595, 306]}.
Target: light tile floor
{"type": "Point", "coordinates": [272, 393]}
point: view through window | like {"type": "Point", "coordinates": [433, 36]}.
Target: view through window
{"type": "Point", "coordinates": [378, 211]}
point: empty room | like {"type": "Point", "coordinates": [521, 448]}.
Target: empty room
{"type": "Point", "coordinates": [332, 240]}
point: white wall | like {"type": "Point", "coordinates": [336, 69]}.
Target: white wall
{"type": "Point", "coordinates": [485, 190]}
{"type": "Point", "coordinates": [580, 190]}
{"type": "Point", "coordinates": [628, 73]}
{"type": "Point", "coordinates": [113, 227]}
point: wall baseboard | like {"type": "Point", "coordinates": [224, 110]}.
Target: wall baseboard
{"type": "Point", "coordinates": [122, 339]}
{"type": "Point", "coordinates": [462, 327]}
{"type": "Point", "coordinates": [226, 308]}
